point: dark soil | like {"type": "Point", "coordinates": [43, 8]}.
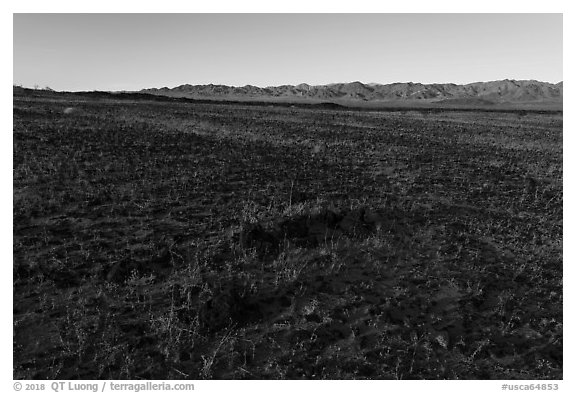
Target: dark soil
{"type": "Point", "coordinates": [179, 240]}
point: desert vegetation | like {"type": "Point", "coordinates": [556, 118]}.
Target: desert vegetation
{"type": "Point", "coordinates": [181, 240]}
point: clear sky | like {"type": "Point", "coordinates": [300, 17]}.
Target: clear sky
{"type": "Point", "coordinates": [134, 51]}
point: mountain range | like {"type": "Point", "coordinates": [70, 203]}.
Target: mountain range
{"type": "Point", "coordinates": [479, 93]}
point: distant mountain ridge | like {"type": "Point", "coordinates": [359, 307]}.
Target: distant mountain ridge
{"type": "Point", "coordinates": [479, 93]}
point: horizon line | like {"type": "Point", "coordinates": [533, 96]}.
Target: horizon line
{"type": "Point", "coordinates": [37, 86]}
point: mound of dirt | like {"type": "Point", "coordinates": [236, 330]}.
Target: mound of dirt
{"type": "Point", "coordinates": [160, 266]}
{"type": "Point", "coordinates": [313, 230]}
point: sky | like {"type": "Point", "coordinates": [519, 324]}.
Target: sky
{"type": "Point", "coordinates": [75, 52]}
